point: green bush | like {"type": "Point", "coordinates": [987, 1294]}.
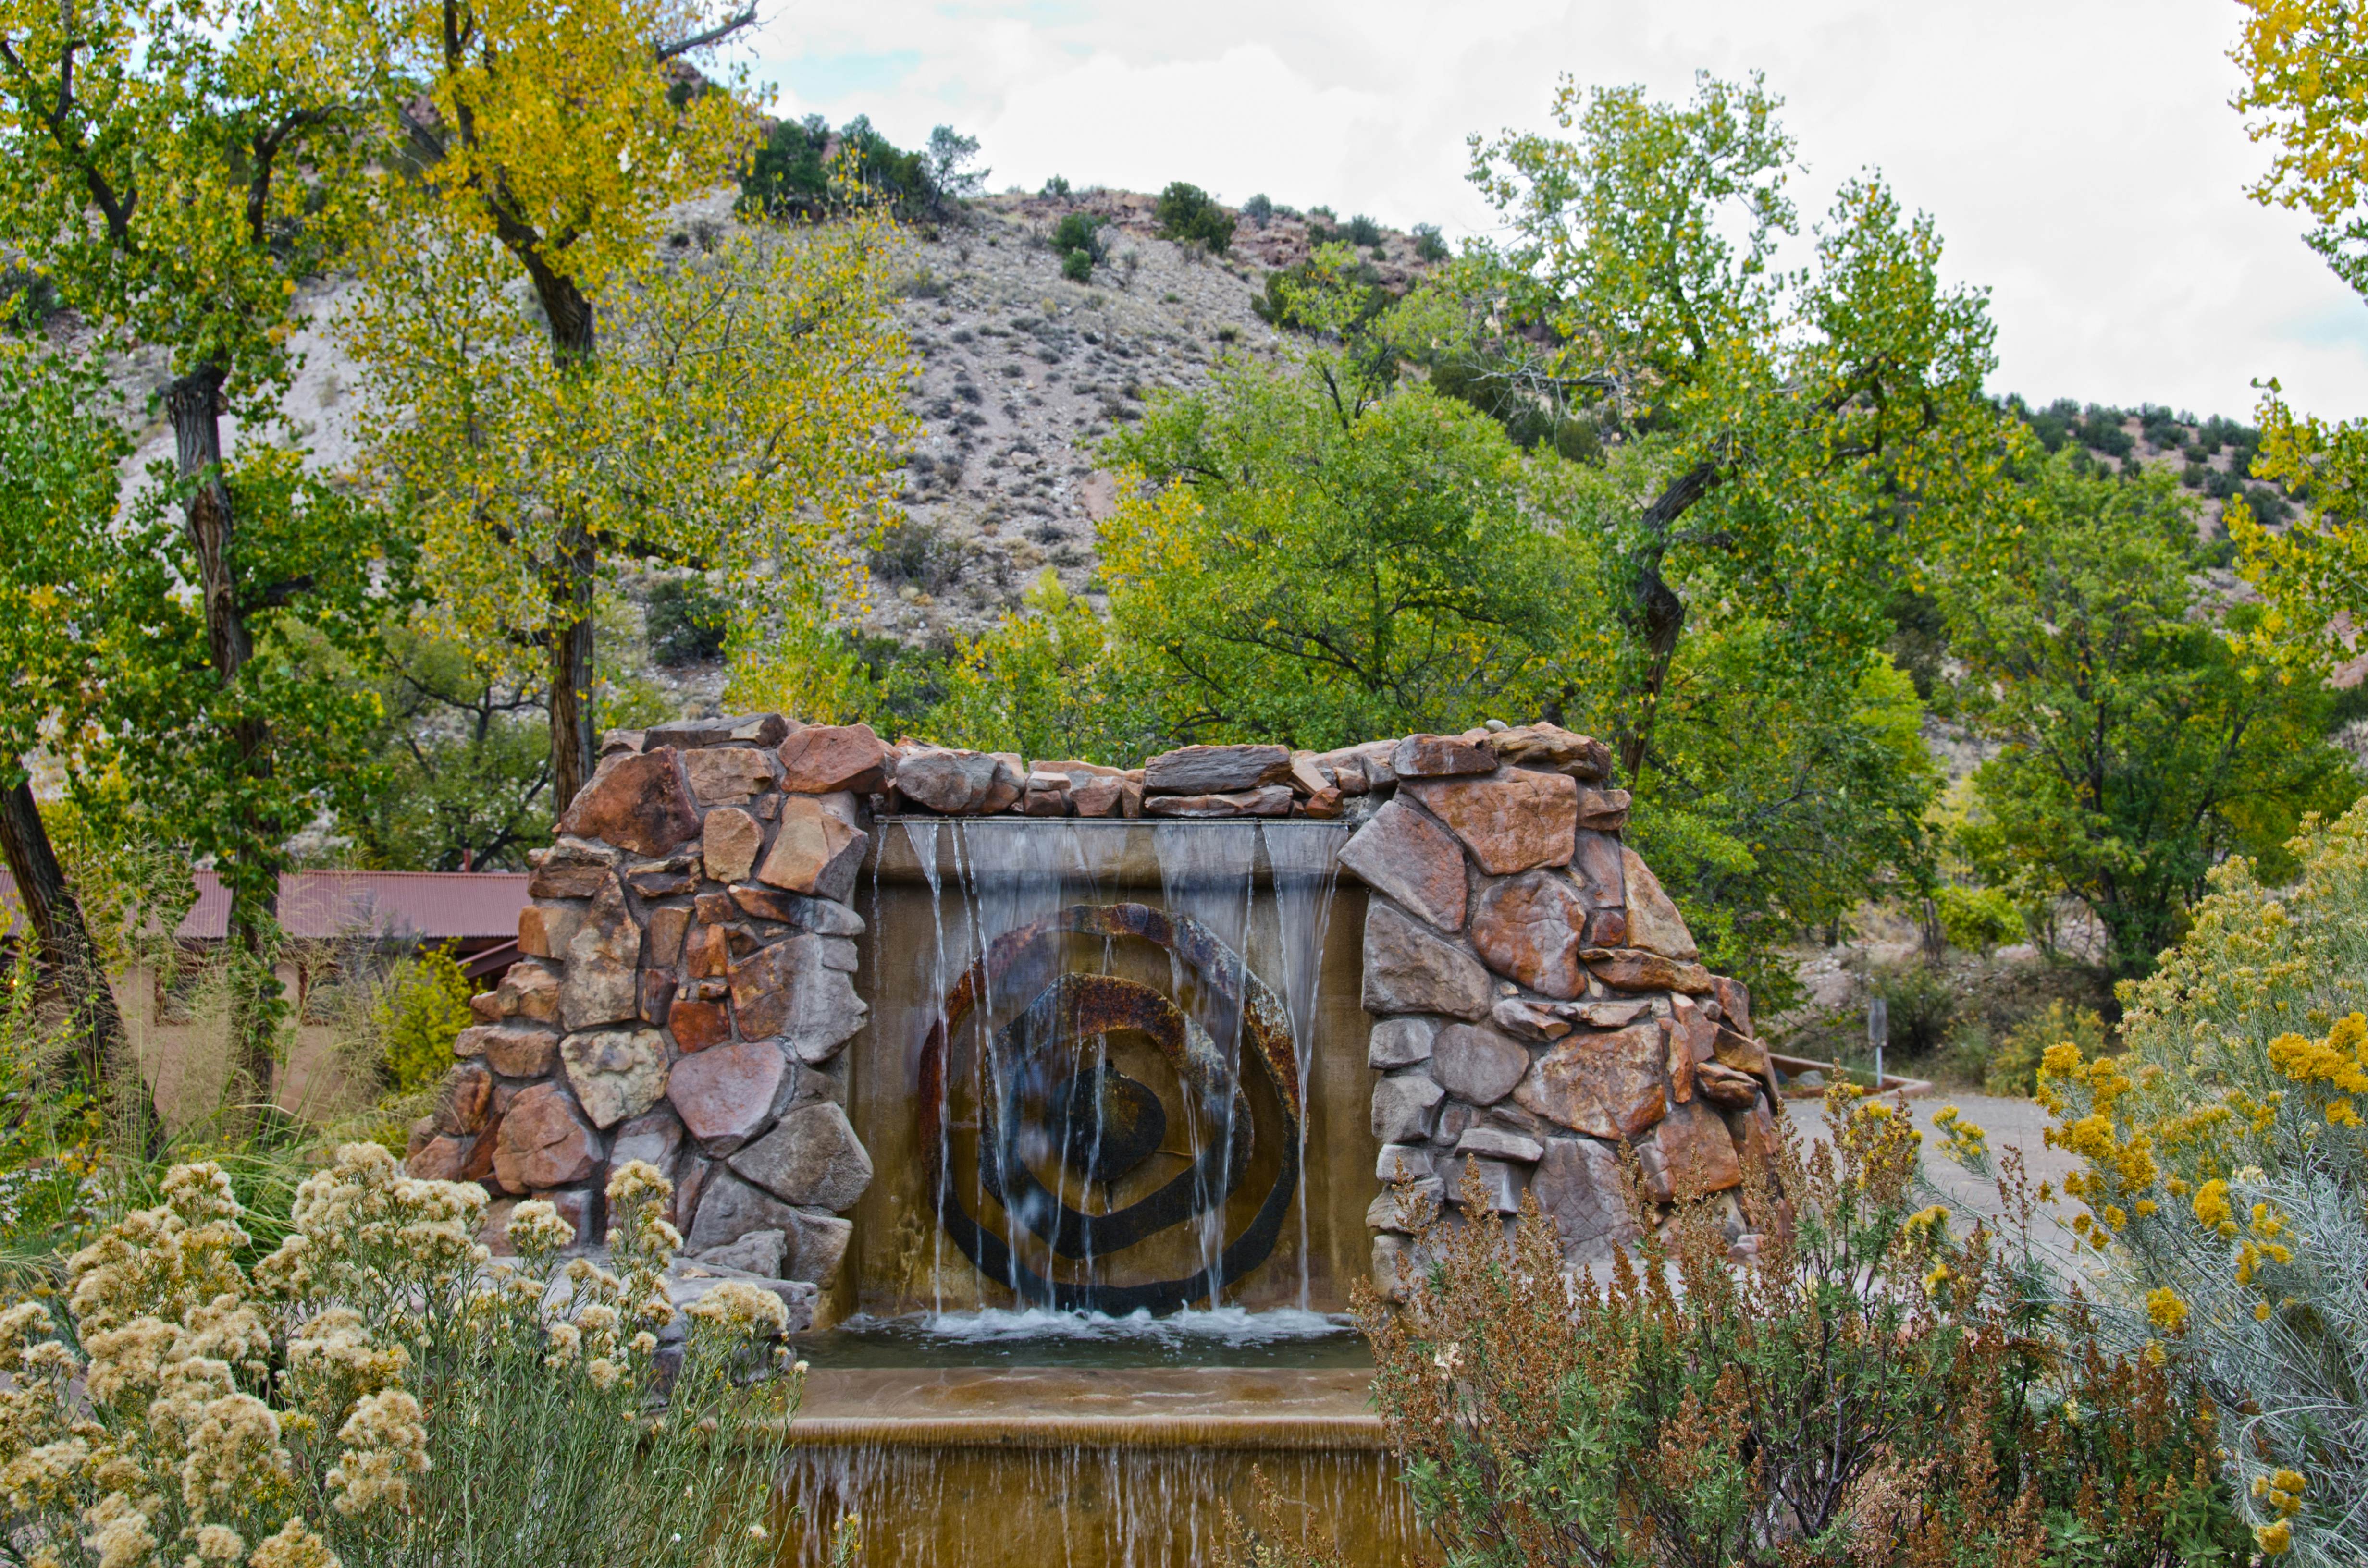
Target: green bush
{"type": "Point", "coordinates": [685, 620]}
{"type": "Point", "coordinates": [1259, 210]}
{"type": "Point", "coordinates": [1364, 233]}
{"type": "Point", "coordinates": [790, 177]}
{"type": "Point", "coordinates": [1076, 266]}
{"type": "Point", "coordinates": [1919, 1004]}
{"type": "Point", "coordinates": [1977, 919]}
{"type": "Point", "coordinates": [1428, 243]}
{"type": "Point", "coordinates": [419, 1011]}
{"type": "Point", "coordinates": [1187, 213]}
{"type": "Point", "coordinates": [2013, 1068]}
{"type": "Point", "coordinates": [1057, 187]}
{"type": "Point", "coordinates": [1077, 236]}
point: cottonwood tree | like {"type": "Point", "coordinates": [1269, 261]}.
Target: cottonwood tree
{"type": "Point", "coordinates": [63, 578]}
{"type": "Point", "coordinates": [566, 396]}
{"type": "Point", "coordinates": [176, 169]}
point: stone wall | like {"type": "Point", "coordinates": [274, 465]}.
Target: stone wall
{"type": "Point", "coordinates": [687, 980]}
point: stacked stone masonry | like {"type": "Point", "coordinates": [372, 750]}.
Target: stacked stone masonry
{"type": "Point", "coordinates": [687, 986]}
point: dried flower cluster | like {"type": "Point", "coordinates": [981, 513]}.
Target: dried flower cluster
{"type": "Point", "coordinates": [375, 1384]}
{"type": "Point", "coordinates": [2225, 1187]}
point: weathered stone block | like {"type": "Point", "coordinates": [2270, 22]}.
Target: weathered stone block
{"type": "Point", "coordinates": [817, 1243]}
{"type": "Point", "coordinates": [957, 783]}
{"type": "Point", "coordinates": [1403, 1106]}
{"type": "Point", "coordinates": [1552, 747]}
{"type": "Point", "coordinates": [1524, 1019]}
{"type": "Point", "coordinates": [1733, 1003]}
{"type": "Point", "coordinates": [1531, 927]}
{"type": "Point", "coordinates": [543, 1143]}
{"type": "Point", "coordinates": [1403, 1210]}
{"type": "Point", "coordinates": [1654, 923]}
{"type": "Point", "coordinates": [657, 995]}
{"type": "Point", "coordinates": [515, 1051]}
{"type": "Point", "coordinates": [729, 775]}
{"type": "Point", "coordinates": [1631, 969]}
{"type": "Point", "coordinates": [1098, 797]}
{"type": "Point", "coordinates": [1215, 770]}
{"type": "Point", "coordinates": [602, 986]}
{"type": "Point", "coordinates": [1476, 1064]}
{"type": "Point", "coordinates": [667, 926]}
{"type": "Point", "coordinates": [615, 1073]}
{"type": "Point", "coordinates": [823, 759]}
{"type": "Point", "coordinates": [813, 1159]}
{"type": "Point", "coordinates": [528, 990]}
{"type": "Point", "coordinates": [1579, 1184]}
{"type": "Point", "coordinates": [1268, 801]}
{"type": "Point", "coordinates": [754, 1252]}
{"type": "Point", "coordinates": [465, 1101]}
{"type": "Point", "coordinates": [639, 802]}
{"type": "Point", "coordinates": [569, 879]}
{"type": "Point", "coordinates": [729, 1207]}
{"type": "Point", "coordinates": [729, 843]}
{"type": "Point", "coordinates": [1726, 1087]}
{"type": "Point", "coordinates": [1497, 1144]}
{"type": "Point", "coordinates": [1607, 1086]}
{"type": "Point", "coordinates": [725, 1094]}
{"type": "Point", "coordinates": [732, 729]}
{"type": "Point", "coordinates": [545, 929]}
{"type": "Point", "coordinates": [1439, 756]}
{"type": "Point", "coordinates": [817, 848]}
{"type": "Point", "coordinates": [655, 1138]}
{"type": "Point", "coordinates": [803, 989]}
{"type": "Point", "coordinates": [1401, 1162]}
{"type": "Point", "coordinates": [822, 917]}
{"type": "Point", "coordinates": [1405, 854]}
{"type": "Point", "coordinates": [1518, 821]}
{"type": "Point", "coordinates": [706, 952]}
{"type": "Point", "coordinates": [1603, 810]}
{"type": "Point", "coordinates": [1400, 1042]}
{"type": "Point", "coordinates": [1407, 970]}
{"type": "Point", "coordinates": [1499, 1182]}
{"type": "Point", "coordinates": [1689, 1155]}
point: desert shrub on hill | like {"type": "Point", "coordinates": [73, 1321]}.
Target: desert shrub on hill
{"type": "Point", "coordinates": [1185, 212]}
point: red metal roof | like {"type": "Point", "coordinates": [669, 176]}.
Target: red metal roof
{"type": "Point", "coordinates": [420, 906]}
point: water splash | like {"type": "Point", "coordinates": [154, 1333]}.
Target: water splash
{"type": "Point", "coordinates": [1304, 860]}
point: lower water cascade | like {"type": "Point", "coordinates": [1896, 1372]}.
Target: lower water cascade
{"type": "Point", "coordinates": [1114, 1089]}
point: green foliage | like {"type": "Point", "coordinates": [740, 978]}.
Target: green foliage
{"type": "Point", "coordinates": [1187, 213]}
{"type": "Point", "coordinates": [2226, 1178]}
{"type": "Point", "coordinates": [685, 620]}
{"type": "Point", "coordinates": [2013, 1068]}
{"type": "Point", "coordinates": [805, 170]}
{"type": "Point", "coordinates": [2139, 747]}
{"type": "Point", "coordinates": [461, 759]}
{"type": "Point", "coordinates": [1977, 919]}
{"type": "Point", "coordinates": [1676, 1411]}
{"type": "Point", "coordinates": [1259, 210]}
{"type": "Point", "coordinates": [1057, 187]}
{"type": "Point", "coordinates": [1920, 1006]}
{"type": "Point", "coordinates": [1333, 290]}
{"type": "Point", "coordinates": [419, 1010]}
{"type": "Point", "coordinates": [1077, 238]}
{"type": "Point", "coordinates": [1362, 233]}
{"type": "Point", "coordinates": [1047, 682]}
{"type": "Point", "coordinates": [1428, 246]}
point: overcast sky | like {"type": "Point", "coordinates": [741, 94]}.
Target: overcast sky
{"type": "Point", "coordinates": [2079, 155]}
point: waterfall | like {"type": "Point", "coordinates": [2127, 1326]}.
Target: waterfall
{"type": "Point", "coordinates": [1304, 859]}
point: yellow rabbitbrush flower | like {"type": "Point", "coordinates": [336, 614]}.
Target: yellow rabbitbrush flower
{"type": "Point", "coordinates": [2166, 1310]}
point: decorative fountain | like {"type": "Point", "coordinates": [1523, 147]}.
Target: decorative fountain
{"type": "Point", "coordinates": [1059, 1102]}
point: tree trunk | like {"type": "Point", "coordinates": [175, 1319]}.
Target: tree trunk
{"type": "Point", "coordinates": [1656, 614]}
{"type": "Point", "coordinates": [573, 673]}
{"type": "Point", "coordinates": [193, 403]}
{"type": "Point", "coordinates": [70, 970]}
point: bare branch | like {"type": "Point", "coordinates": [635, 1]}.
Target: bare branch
{"type": "Point", "coordinates": [713, 35]}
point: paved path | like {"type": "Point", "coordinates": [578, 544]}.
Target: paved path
{"type": "Point", "coordinates": [2011, 1124]}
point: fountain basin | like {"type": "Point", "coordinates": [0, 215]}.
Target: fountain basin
{"type": "Point", "coordinates": [983, 1467]}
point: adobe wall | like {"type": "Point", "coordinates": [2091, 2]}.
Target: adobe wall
{"type": "Point", "coordinates": [689, 983]}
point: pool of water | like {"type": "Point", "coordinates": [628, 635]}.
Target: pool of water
{"type": "Point", "coordinates": [1227, 1336]}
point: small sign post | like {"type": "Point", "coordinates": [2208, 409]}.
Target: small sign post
{"type": "Point", "coordinates": [1878, 1033]}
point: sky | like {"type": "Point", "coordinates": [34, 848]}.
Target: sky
{"type": "Point", "coordinates": [2079, 156]}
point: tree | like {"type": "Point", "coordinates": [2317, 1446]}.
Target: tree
{"type": "Point", "coordinates": [701, 409]}
{"type": "Point", "coordinates": [2139, 747]}
{"type": "Point", "coordinates": [1791, 417]}
{"type": "Point", "coordinates": [176, 170]}
{"type": "Point", "coordinates": [61, 571]}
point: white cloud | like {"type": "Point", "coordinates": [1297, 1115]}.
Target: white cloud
{"type": "Point", "coordinates": [2079, 155]}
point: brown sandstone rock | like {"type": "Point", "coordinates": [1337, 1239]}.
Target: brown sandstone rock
{"type": "Point", "coordinates": [1607, 1086]}
{"type": "Point", "coordinates": [803, 989]}
{"type": "Point", "coordinates": [1603, 810]}
{"type": "Point", "coordinates": [1400, 1042]}
{"type": "Point", "coordinates": [616, 1074]}
{"type": "Point", "coordinates": [485, 1008]}
{"type": "Point", "coordinates": [1514, 822]}
{"type": "Point", "coordinates": [1596, 865]}
{"type": "Point", "coordinates": [1530, 928]}
{"type": "Point", "coordinates": [566, 878]}
{"type": "Point", "coordinates": [657, 995]}
{"type": "Point", "coordinates": [441, 1158]}
{"type": "Point", "coordinates": [542, 1143]}
{"type": "Point", "coordinates": [1407, 970]}
{"type": "Point", "coordinates": [1098, 797]}
{"type": "Point", "coordinates": [465, 1101]}
{"type": "Point", "coordinates": [1439, 756]}
{"type": "Point", "coordinates": [1404, 1161]}
{"type": "Point", "coordinates": [698, 1025]}
{"type": "Point", "coordinates": [735, 729]}
{"type": "Point", "coordinates": [602, 984]}
{"type": "Point", "coordinates": [528, 990]}
{"type": "Point", "coordinates": [729, 843]}
{"type": "Point", "coordinates": [1552, 747]}
{"type": "Point", "coordinates": [1725, 1085]}
{"type": "Point", "coordinates": [729, 775]}
{"type": "Point", "coordinates": [1628, 969]}
{"type": "Point", "coordinates": [1476, 1064]}
{"type": "Point", "coordinates": [667, 925]}
{"type": "Point", "coordinates": [823, 759]}
{"type": "Point", "coordinates": [1525, 1019]}
{"type": "Point", "coordinates": [515, 1051]}
{"type": "Point", "coordinates": [545, 929]}
{"type": "Point", "coordinates": [813, 1159]}
{"type": "Point", "coordinates": [726, 1094]}
{"type": "Point", "coordinates": [1654, 923]}
{"type": "Point", "coordinates": [1498, 1143]}
{"type": "Point", "coordinates": [1405, 854]}
{"type": "Point", "coordinates": [1215, 770]}
{"type": "Point", "coordinates": [1733, 1003]}
{"type": "Point", "coordinates": [706, 954]}
{"type": "Point", "coordinates": [639, 802]}
{"type": "Point", "coordinates": [1269, 800]}
{"type": "Point", "coordinates": [655, 1138]}
{"type": "Point", "coordinates": [1689, 1155]}
{"type": "Point", "coordinates": [817, 848]}
{"type": "Point", "coordinates": [1406, 1209]}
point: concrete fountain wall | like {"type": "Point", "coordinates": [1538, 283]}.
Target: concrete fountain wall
{"type": "Point", "coordinates": [1499, 983]}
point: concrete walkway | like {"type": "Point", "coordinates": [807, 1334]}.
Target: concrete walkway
{"type": "Point", "coordinates": [2011, 1124]}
